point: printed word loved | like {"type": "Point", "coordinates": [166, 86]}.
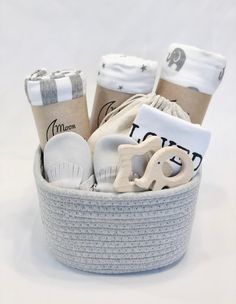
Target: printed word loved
{"type": "Point", "coordinates": [195, 156]}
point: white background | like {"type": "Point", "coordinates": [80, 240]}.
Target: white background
{"type": "Point", "coordinates": [72, 33]}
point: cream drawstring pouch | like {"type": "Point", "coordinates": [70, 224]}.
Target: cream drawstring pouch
{"type": "Point", "coordinates": [120, 120]}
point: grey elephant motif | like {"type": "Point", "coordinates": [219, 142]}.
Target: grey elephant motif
{"type": "Point", "coordinates": [221, 74]}
{"type": "Point", "coordinates": [177, 57]}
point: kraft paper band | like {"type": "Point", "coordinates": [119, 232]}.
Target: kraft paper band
{"type": "Point", "coordinates": [193, 102]}
{"type": "Point", "coordinates": [105, 101]}
{"type": "Point", "coordinates": [61, 117]}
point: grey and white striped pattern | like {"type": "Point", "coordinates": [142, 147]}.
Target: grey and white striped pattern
{"type": "Point", "coordinates": [43, 88]}
{"type": "Point", "coordinates": [116, 233]}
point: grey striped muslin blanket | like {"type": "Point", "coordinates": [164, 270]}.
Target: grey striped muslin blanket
{"type": "Point", "coordinates": [43, 87]}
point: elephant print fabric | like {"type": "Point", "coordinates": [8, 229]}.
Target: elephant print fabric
{"type": "Point", "coordinates": [193, 68]}
{"type": "Point", "coordinates": [177, 58]}
{"type": "Point", "coordinates": [221, 75]}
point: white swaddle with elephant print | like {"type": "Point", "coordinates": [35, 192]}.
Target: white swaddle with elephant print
{"type": "Point", "coordinates": [193, 68]}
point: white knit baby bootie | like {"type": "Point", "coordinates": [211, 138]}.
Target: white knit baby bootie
{"type": "Point", "coordinates": [68, 161]}
{"type": "Point", "coordinates": [106, 160]}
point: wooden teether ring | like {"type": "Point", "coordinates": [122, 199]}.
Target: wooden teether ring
{"type": "Point", "coordinates": [154, 177]}
{"type": "Point", "coordinates": [126, 153]}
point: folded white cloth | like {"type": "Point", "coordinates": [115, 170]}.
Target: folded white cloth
{"type": "Point", "coordinates": [173, 131]}
{"type": "Point", "coordinates": [127, 74]}
{"type": "Point", "coordinates": [68, 161]}
{"type": "Point", "coordinates": [194, 68]}
{"type": "Point", "coordinates": [120, 120]}
{"type": "Point", "coordinates": [106, 160]}
{"type": "Point", "coordinates": [44, 88]}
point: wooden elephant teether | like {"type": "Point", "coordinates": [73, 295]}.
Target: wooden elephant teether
{"type": "Point", "coordinates": [126, 152]}
{"type": "Point", "coordinates": [154, 177]}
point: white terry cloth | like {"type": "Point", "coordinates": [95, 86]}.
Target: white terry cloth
{"type": "Point", "coordinates": [194, 68]}
{"type": "Point", "coordinates": [120, 120]}
{"type": "Point", "coordinates": [44, 88]}
{"type": "Point", "coordinates": [68, 161]}
{"type": "Point", "coordinates": [106, 160]}
{"type": "Point", "coordinates": [173, 131]}
{"type": "Point", "coordinates": [127, 74]}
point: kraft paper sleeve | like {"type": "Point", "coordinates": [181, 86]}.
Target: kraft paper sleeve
{"type": "Point", "coordinates": [193, 102]}
{"type": "Point", "coordinates": [105, 101]}
{"type": "Point", "coordinates": [60, 117]}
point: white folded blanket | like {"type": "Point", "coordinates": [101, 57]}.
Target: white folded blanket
{"type": "Point", "coordinates": [44, 88]}
{"type": "Point", "coordinates": [194, 68]}
{"type": "Point", "coordinates": [127, 74]}
{"type": "Point", "coordinates": [190, 137]}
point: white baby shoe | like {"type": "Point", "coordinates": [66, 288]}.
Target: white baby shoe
{"type": "Point", "coordinates": [68, 161]}
{"type": "Point", "coordinates": [106, 160]}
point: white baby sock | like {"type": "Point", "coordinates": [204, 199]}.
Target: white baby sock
{"type": "Point", "coordinates": [68, 161]}
{"type": "Point", "coordinates": [173, 131]}
{"type": "Point", "coordinates": [193, 68]}
{"type": "Point", "coordinates": [106, 161]}
{"type": "Point", "coordinates": [190, 76]}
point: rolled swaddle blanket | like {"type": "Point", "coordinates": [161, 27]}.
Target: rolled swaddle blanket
{"type": "Point", "coordinates": [120, 77]}
{"type": "Point", "coordinates": [190, 76]}
{"type": "Point", "coordinates": [58, 102]}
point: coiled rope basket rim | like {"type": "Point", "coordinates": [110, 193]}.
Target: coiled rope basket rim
{"type": "Point", "coordinates": [113, 233]}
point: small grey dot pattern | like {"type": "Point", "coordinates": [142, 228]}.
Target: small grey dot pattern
{"type": "Point", "coordinates": [113, 234]}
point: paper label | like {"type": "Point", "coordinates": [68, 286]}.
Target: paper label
{"type": "Point", "coordinates": [105, 101]}
{"type": "Point", "coordinates": [193, 102]}
{"type": "Point", "coordinates": [61, 117]}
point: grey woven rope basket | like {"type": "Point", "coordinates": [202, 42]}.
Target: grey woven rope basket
{"type": "Point", "coordinates": [116, 233]}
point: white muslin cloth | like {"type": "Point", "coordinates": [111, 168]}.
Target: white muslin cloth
{"type": "Point", "coordinates": [191, 67]}
{"type": "Point", "coordinates": [173, 131]}
{"type": "Point", "coordinates": [128, 74]}
{"type": "Point", "coordinates": [43, 87]}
